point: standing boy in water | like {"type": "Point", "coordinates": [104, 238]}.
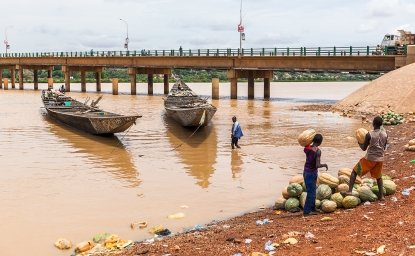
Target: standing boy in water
{"type": "Point", "coordinates": [375, 144]}
{"type": "Point", "coordinates": [312, 163]}
{"type": "Point", "coordinates": [236, 133]}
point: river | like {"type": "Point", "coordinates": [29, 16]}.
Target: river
{"type": "Point", "coordinates": [59, 182]}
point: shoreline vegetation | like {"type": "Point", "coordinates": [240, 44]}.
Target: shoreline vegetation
{"type": "Point", "coordinates": [197, 76]}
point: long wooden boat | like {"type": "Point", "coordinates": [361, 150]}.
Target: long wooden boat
{"type": "Point", "coordinates": [88, 118]}
{"type": "Point", "coordinates": [186, 107]}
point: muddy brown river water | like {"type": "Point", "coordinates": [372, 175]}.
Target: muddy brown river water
{"type": "Point", "coordinates": [59, 182]}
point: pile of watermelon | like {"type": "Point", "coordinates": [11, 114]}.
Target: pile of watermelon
{"type": "Point", "coordinates": [330, 192]}
{"type": "Point", "coordinates": [391, 118]}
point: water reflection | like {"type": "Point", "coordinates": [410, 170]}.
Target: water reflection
{"type": "Point", "coordinates": [199, 160]}
{"type": "Point", "coordinates": [108, 152]}
{"type": "Point", "coordinates": [236, 163]}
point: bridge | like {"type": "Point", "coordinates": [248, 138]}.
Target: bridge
{"type": "Point", "coordinates": [239, 63]}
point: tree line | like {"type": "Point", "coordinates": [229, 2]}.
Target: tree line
{"type": "Point", "coordinates": [192, 75]}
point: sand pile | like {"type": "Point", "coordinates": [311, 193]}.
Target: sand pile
{"type": "Point", "coordinates": [394, 91]}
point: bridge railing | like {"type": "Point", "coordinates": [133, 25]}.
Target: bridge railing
{"type": "Point", "coordinates": [287, 51]}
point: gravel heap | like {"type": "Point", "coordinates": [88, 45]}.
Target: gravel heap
{"type": "Point", "coordinates": [394, 91]}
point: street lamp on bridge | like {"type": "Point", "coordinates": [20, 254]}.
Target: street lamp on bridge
{"type": "Point", "coordinates": [6, 42]}
{"type": "Point", "coordinates": [127, 40]}
{"type": "Point", "coordinates": [241, 30]}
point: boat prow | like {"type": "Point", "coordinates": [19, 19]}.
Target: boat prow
{"type": "Point", "coordinates": [83, 117]}
{"type": "Point", "coordinates": [186, 107]}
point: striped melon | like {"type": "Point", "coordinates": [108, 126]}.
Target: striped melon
{"type": "Point", "coordinates": [302, 199]}
{"type": "Point", "coordinates": [344, 179]}
{"type": "Point", "coordinates": [350, 202]}
{"type": "Point", "coordinates": [366, 194]}
{"type": "Point", "coordinates": [323, 192]}
{"type": "Point", "coordinates": [325, 178]}
{"type": "Point", "coordinates": [361, 135]}
{"type": "Point", "coordinates": [292, 204]}
{"type": "Point", "coordinates": [338, 199]}
{"type": "Point", "coordinates": [390, 187]}
{"type": "Point", "coordinates": [280, 203]}
{"type": "Point", "coordinates": [328, 206]}
{"type": "Point", "coordinates": [306, 137]}
{"type": "Point", "coordinates": [294, 189]}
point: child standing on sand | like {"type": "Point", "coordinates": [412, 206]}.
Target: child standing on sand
{"type": "Point", "coordinates": [312, 163]}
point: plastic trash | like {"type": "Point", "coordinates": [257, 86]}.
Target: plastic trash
{"type": "Point", "coordinates": [309, 235]}
{"type": "Point", "coordinates": [195, 228]}
{"type": "Point", "coordinates": [248, 241]}
{"type": "Point", "coordinates": [237, 254]}
{"type": "Point", "coordinates": [178, 215]}
{"type": "Point", "coordinates": [226, 226]}
{"type": "Point", "coordinates": [381, 249]}
{"type": "Point", "coordinates": [262, 222]}
{"type": "Point", "coordinates": [269, 246]}
{"type": "Point", "coordinates": [406, 192]}
{"type": "Point", "coordinates": [98, 238]}
{"type": "Point", "coordinates": [163, 232]}
{"type": "Point", "coordinates": [394, 199]}
{"type": "Point", "coordinates": [63, 244]}
{"type": "Point", "coordinates": [84, 246]}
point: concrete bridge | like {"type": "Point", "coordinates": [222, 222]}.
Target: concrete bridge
{"type": "Point", "coordinates": [245, 63]}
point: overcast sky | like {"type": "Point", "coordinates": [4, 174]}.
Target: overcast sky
{"type": "Point", "coordinates": [81, 25]}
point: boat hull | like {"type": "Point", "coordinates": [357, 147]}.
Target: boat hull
{"type": "Point", "coordinates": [83, 117]}
{"type": "Point", "coordinates": [95, 125]}
{"type": "Point", "coordinates": [191, 116]}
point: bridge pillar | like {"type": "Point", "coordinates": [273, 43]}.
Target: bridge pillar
{"type": "Point", "coordinates": [133, 82]}
{"type": "Point", "coordinates": [6, 84]}
{"type": "Point", "coordinates": [251, 82]}
{"type": "Point", "coordinates": [410, 57]}
{"type": "Point", "coordinates": [98, 79]}
{"type": "Point", "coordinates": [1, 78]}
{"type": "Point", "coordinates": [13, 77]}
{"type": "Point", "coordinates": [49, 73]}
{"type": "Point", "coordinates": [215, 88]}
{"type": "Point", "coordinates": [20, 78]}
{"type": "Point", "coordinates": [35, 79]}
{"type": "Point", "coordinates": [166, 84]}
{"type": "Point", "coordinates": [267, 85]}
{"type": "Point", "coordinates": [115, 86]}
{"type": "Point", "coordinates": [234, 88]}
{"type": "Point", "coordinates": [67, 81]}
{"type": "Point", "coordinates": [83, 81]}
{"type": "Point", "coordinates": [150, 84]}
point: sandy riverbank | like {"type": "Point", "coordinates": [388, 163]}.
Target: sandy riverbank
{"type": "Point", "coordinates": [351, 232]}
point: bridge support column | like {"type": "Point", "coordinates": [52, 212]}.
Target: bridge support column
{"type": "Point", "coordinates": [410, 57]}
{"type": "Point", "coordinates": [115, 86]}
{"type": "Point", "coordinates": [83, 81]}
{"type": "Point", "coordinates": [215, 88]}
{"type": "Point", "coordinates": [6, 84]}
{"type": "Point", "coordinates": [150, 84]}
{"type": "Point", "coordinates": [20, 78]}
{"type": "Point", "coordinates": [234, 88]}
{"type": "Point", "coordinates": [13, 77]}
{"type": "Point", "coordinates": [98, 79]}
{"type": "Point", "coordinates": [166, 84]}
{"type": "Point", "coordinates": [133, 82]}
{"type": "Point", "coordinates": [267, 91]}
{"type": "Point", "coordinates": [251, 87]}
{"type": "Point", "coordinates": [1, 78]}
{"type": "Point", "coordinates": [35, 79]}
{"type": "Point", "coordinates": [67, 81]}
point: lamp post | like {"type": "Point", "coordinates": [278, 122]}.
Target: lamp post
{"type": "Point", "coordinates": [127, 40]}
{"type": "Point", "coordinates": [6, 42]}
{"type": "Point", "coordinates": [241, 30]}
